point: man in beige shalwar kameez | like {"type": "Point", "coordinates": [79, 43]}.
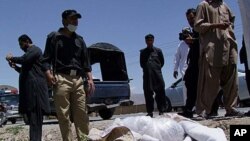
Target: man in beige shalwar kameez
{"type": "Point", "coordinates": [218, 57]}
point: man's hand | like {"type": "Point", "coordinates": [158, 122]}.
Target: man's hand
{"type": "Point", "coordinates": [222, 26]}
{"type": "Point", "coordinates": [91, 87]}
{"type": "Point", "coordinates": [50, 78]}
{"type": "Point", "coordinates": [175, 74]}
{"type": "Point", "coordinates": [12, 65]}
{"type": "Point", "coordinates": [189, 39]}
{"type": "Point", "coordinates": [9, 56]}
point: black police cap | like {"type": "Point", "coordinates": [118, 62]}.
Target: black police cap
{"type": "Point", "coordinates": [149, 36]}
{"type": "Point", "coordinates": [69, 13]}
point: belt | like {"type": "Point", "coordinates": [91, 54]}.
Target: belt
{"type": "Point", "coordinates": [71, 72]}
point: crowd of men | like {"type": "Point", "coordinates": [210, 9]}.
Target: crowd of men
{"type": "Point", "coordinates": [207, 57]}
{"type": "Point", "coordinates": [208, 67]}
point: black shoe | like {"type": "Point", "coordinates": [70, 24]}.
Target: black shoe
{"type": "Point", "coordinates": [161, 113]}
{"type": "Point", "coordinates": [150, 114]}
{"type": "Point", "coordinates": [247, 114]}
{"type": "Point", "coordinates": [213, 114]}
{"type": "Point", "coordinates": [186, 114]}
{"type": "Point", "coordinates": [234, 113]}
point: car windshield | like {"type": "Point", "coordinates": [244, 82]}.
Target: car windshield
{"type": "Point", "coordinates": [9, 99]}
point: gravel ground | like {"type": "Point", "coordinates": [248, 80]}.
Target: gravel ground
{"type": "Point", "coordinates": [225, 123]}
{"type": "Point", "coordinates": [51, 132]}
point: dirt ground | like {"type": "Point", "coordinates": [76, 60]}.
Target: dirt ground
{"type": "Point", "coordinates": [224, 123]}
{"type": "Point", "coordinates": [51, 132]}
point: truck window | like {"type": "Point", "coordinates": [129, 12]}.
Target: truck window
{"type": "Point", "coordinates": [96, 72]}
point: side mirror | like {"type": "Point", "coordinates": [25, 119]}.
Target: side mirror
{"type": "Point", "coordinates": [130, 79]}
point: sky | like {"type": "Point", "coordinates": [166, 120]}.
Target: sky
{"type": "Point", "coordinates": [123, 23]}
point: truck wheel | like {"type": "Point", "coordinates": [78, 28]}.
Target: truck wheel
{"type": "Point", "coordinates": [106, 113]}
{"type": "Point", "coordinates": [169, 106]}
{"type": "Point", "coordinates": [13, 120]}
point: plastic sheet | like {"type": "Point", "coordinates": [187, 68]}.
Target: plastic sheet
{"type": "Point", "coordinates": [169, 127]}
{"type": "Point", "coordinates": [162, 128]}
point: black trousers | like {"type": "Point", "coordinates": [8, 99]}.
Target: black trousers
{"type": "Point", "coordinates": [191, 96]}
{"type": "Point", "coordinates": [35, 118]}
{"type": "Point", "coordinates": [191, 82]}
{"type": "Point", "coordinates": [160, 99]}
{"type": "Point", "coordinates": [247, 72]}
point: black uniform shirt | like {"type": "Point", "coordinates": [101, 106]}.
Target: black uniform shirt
{"type": "Point", "coordinates": [66, 53]}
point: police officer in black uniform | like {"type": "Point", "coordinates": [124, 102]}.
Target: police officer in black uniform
{"type": "Point", "coordinates": [66, 53]}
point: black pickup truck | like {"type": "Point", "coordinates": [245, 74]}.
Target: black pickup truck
{"type": "Point", "coordinates": [112, 89]}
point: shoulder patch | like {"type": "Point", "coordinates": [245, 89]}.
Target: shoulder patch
{"type": "Point", "coordinates": [78, 42]}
